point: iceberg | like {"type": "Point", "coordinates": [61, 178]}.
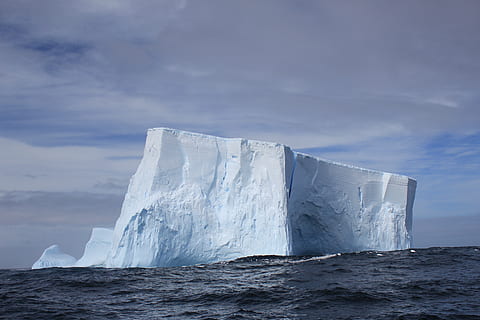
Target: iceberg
{"type": "Point", "coordinates": [198, 198]}
{"type": "Point", "coordinates": [95, 253]}
{"type": "Point", "coordinates": [53, 256]}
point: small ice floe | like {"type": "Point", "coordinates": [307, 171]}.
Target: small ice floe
{"type": "Point", "coordinates": [379, 255]}
{"type": "Point", "coordinates": [328, 256]}
{"type": "Point", "coordinates": [412, 251]}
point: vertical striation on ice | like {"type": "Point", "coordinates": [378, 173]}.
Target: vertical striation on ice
{"type": "Point", "coordinates": [197, 199]}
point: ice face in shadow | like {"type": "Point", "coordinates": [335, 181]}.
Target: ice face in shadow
{"type": "Point", "coordinates": [54, 257]}
{"type": "Point", "coordinates": [198, 199]}
{"type": "Point", "coordinates": [338, 208]}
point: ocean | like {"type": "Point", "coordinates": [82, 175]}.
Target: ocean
{"type": "Point", "coordinates": [434, 283]}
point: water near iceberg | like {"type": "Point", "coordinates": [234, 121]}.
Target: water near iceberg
{"type": "Point", "coordinates": [436, 283]}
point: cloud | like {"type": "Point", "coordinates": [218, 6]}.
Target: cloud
{"type": "Point", "coordinates": [334, 72]}
{"type": "Point", "coordinates": [388, 86]}
{"type": "Point", "coordinates": [30, 221]}
{"type": "Point", "coordinates": [447, 231]}
{"type": "Point", "coordinates": [59, 208]}
{"type": "Point", "coordinates": [22, 245]}
{"type": "Point", "coordinates": [67, 168]}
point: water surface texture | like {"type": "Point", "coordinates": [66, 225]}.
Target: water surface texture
{"type": "Point", "coordinates": [436, 283]}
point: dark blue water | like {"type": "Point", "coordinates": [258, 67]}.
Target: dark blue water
{"type": "Point", "coordinates": [436, 283]}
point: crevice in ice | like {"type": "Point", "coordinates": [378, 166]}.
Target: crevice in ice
{"type": "Point", "coordinates": [186, 162]}
{"type": "Point", "coordinates": [315, 175]}
{"type": "Point", "coordinates": [360, 197]}
{"type": "Point", "coordinates": [213, 184]}
{"type": "Point", "coordinates": [386, 183]}
{"type": "Point", "coordinates": [293, 172]}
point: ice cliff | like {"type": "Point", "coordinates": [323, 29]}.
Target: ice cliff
{"type": "Point", "coordinates": [97, 248]}
{"type": "Point", "coordinates": [197, 199]}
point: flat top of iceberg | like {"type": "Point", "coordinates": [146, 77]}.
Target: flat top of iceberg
{"type": "Point", "coordinates": [208, 136]}
{"type": "Point", "coordinates": [212, 137]}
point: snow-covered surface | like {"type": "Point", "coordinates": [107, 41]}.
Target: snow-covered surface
{"type": "Point", "coordinates": [197, 199]}
{"type": "Point", "coordinates": [54, 257]}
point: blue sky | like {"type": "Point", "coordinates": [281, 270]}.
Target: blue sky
{"type": "Point", "coordinates": [393, 86]}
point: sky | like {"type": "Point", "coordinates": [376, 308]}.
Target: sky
{"type": "Point", "coordinates": [388, 85]}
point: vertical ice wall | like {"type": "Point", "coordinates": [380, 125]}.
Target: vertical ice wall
{"type": "Point", "coordinates": [198, 198]}
{"type": "Point", "coordinates": [338, 208]}
{"type": "Point", "coordinates": [96, 249]}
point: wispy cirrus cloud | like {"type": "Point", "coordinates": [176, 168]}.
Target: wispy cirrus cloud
{"type": "Point", "coordinates": [65, 168]}
{"type": "Point", "coordinates": [302, 67]}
